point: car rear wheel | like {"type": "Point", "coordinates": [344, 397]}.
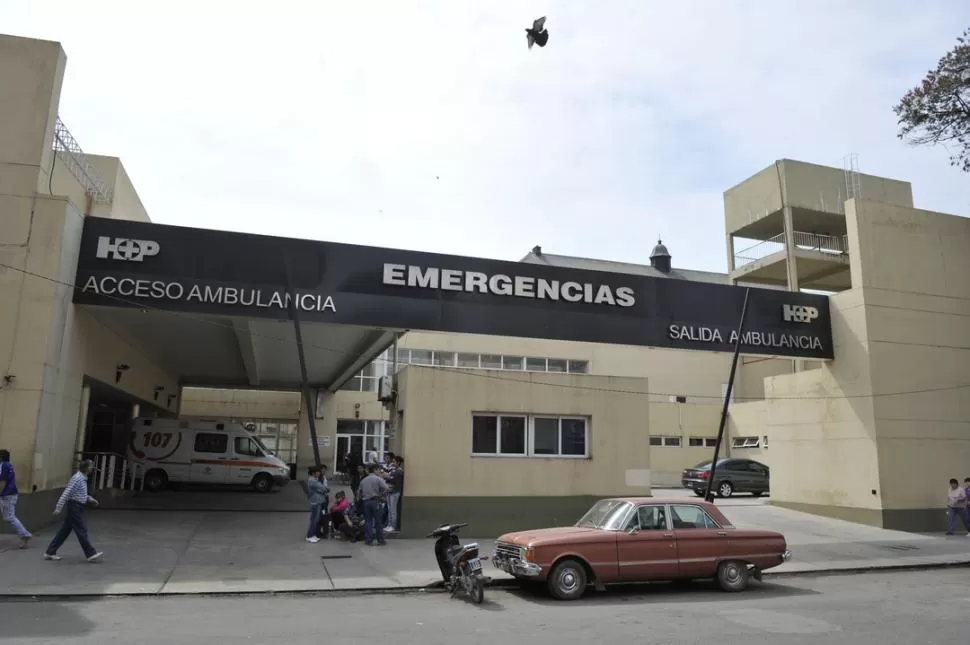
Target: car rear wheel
{"type": "Point", "coordinates": [699, 493]}
{"type": "Point", "coordinates": [725, 489]}
{"type": "Point", "coordinates": [567, 580]}
{"type": "Point", "coordinates": [732, 576]}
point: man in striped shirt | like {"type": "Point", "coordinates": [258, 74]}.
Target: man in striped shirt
{"type": "Point", "coordinates": [74, 497]}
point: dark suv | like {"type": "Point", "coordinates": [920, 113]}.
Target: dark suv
{"type": "Point", "coordinates": [731, 476]}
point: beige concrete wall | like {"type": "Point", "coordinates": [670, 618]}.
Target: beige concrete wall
{"type": "Point", "coordinates": [822, 188]}
{"type": "Point", "coordinates": [47, 346]}
{"type": "Point", "coordinates": [270, 405]}
{"type": "Point", "coordinates": [822, 446]}
{"type": "Point", "coordinates": [684, 421]}
{"type": "Point", "coordinates": [914, 270]}
{"type": "Point", "coordinates": [670, 372]}
{"type": "Point", "coordinates": [805, 186]}
{"type": "Point", "coordinates": [438, 407]}
{"type": "Point", "coordinates": [754, 198]}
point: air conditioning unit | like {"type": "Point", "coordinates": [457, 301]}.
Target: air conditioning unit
{"type": "Point", "coordinates": [385, 389]}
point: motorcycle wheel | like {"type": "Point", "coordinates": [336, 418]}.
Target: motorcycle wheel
{"type": "Point", "coordinates": [478, 590]}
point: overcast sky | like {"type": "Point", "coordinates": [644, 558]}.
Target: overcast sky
{"type": "Point", "coordinates": [429, 125]}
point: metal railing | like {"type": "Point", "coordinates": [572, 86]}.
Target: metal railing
{"type": "Point", "coordinates": [69, 151]}
{"type": "Point", "coordinates": [836, 245]}
{"type": "Point", "coordinates": [113, 472]}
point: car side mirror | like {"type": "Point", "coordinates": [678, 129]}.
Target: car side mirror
{"type": "Point", "coordinates": [634, 531]}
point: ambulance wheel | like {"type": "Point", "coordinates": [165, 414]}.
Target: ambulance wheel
{"type": "Point", "coordinates": [262, 483]}
{"type": "Point", "coordinates": [155, 480]}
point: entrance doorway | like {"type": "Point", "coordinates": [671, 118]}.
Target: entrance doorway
{"type": "Point", "coordinates": [362, 436]}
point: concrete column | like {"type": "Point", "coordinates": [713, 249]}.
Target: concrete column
{"type": "Point", "coordinates": [791, 264]}
{"type": "Point", "coordinates": [729, 243]}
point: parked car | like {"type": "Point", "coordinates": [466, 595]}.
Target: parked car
{"type": "Point", "coordinates": [627, 540]}
{"type": "Point", "coordinates": [731, 476]}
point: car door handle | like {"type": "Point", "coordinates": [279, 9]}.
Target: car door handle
{"type": "Point", "coordinates": [668, 535]}
{"type": "Point", "coordinates": [722, 533]}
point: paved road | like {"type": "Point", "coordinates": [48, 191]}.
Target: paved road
{"type": "Point", "coordinates": [888, 609]}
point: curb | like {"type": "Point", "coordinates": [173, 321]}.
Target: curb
{"type": "Point", "coordinates": [435, 587]}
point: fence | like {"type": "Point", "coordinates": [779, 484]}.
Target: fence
{"type": "Point", "coordinates": [113, 472]}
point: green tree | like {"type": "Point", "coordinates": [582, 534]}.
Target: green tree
{"type": "Point", "coordinates": [937, 111]}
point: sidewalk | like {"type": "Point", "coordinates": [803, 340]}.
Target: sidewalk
{"type": "Point", "coordinates": [197, 552]}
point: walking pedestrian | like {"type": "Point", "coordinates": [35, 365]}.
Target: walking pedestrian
{"type": "Point", "coordinates": [318, 499]}
{"type": "Point", "coordinates": [8, 498]}
{"type": "Point", "coordinates": [956, 506]}
{"type": "Point", "coordinates": [73, 500]}
{"type": "Point", "coordinates": [372, 489]}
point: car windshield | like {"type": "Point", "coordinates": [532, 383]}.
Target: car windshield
{"type": "Point", "coordinates": [605, 514]}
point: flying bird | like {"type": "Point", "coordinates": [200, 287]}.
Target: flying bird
{"type": "Point", "coordinates": [538, 35]}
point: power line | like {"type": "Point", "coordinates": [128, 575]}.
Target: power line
{"type": "Point", "coordinates": [496, 377]}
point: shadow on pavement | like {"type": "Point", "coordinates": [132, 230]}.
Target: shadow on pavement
{"type": "Point", "coordinates": [25, 619]}
{"type": "Point", "coordinates": [682, 592]}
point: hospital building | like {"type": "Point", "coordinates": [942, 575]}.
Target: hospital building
{"type": "Point", "coordinates": [518, 390]}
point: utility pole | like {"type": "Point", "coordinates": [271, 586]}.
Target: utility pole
{"type": "Point", "coordinates": [709, 495]}
{"type": "Point", "coordinates": [304, 379]}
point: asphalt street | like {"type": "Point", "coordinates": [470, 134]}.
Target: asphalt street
{"type": "Point", "coordinates": [926, 607]}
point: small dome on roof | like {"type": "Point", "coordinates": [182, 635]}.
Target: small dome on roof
{"type": "Point", "coordinates": [660, 250]}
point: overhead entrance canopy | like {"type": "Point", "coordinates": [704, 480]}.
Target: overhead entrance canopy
{"type": "Point", "coordinates": [214, 306]}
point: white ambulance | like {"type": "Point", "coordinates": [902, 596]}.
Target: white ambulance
{"type": "Point", "coordinates": [202, 452]}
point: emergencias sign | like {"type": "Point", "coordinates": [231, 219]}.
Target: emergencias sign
{"type": "Point", "coordinates": [218, 273]}
{"type": "Point", "coordinates": [499, 284]}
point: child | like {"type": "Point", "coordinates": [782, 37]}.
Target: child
{"type": "Point", "coordinates": [956, 506]}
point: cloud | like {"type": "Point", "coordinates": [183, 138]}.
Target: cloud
{"type": "Point", "coordinates": [429, 125]}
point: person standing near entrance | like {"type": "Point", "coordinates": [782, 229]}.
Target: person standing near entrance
{"type": "Point", "coordinates": [372, 489]}
{"type": "Point", "coordinates": [8, 498]}
{"type": "Point", "coordinates": [73, 499]}
{"type": "Point", "coordinates": [317, 487]}
{"type": "Point", "coordinates": [354, 463]}
{"type": "Point", "coordinates": [396, 479]}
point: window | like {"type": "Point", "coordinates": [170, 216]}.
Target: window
{"type": "Point", "coordinates": [444, 359]}
{"type": "Point", "coordinates": [667, 442]}
{"type": "Point", "coordinates": [559, 437]}
{"type": "Point", "coordinates": [421, 357]}
{"type": "Point", "coordinates": [656, 441]}
{"type": "Point", "coordinates": [702, 442]}
{"type": "Point", "coordinates": [691, 517]}
{"type": "Point", "coordinates": [578, 367]}
{"type": "Point", "coordinates": [648, 518]}
{"type": "Point", "coordinates": [516, 435]}
{"type": "Point", "coordinates": [350, 426]}
{"type": "Point", "coordinates": [467, 360]}
{"type": "Point", "coordinates": [498, 435]}
{"type": "Point", "coordinates": [512, 362]}
{"type": "Point", "coordinates": [746, 442]}
{"type": "Point", "coordinates": [491, 361]}
{"type": "Point", "coordinates": [556, 365]}
{"type": "Point", "coordinates": [247, 447]}
{"type": "Point", "coordinates": [535, 364]}
{"type": "Point", "coordinates": [211, 443]}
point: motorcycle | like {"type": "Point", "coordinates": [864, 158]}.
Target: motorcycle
{"type": "Point", "coordinates": [460, 565]}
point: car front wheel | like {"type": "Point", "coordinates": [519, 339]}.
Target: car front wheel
{"type": "Point", "coordinates": [567, 580]}
{"type": "Point", "coordinates": [725, 489]}
{"type": "Point", "coordinates": [732, 576]}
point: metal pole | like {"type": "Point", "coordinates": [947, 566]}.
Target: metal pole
{"type": "Point", "coordinates": [304, 379]}
{"type": "Point", "coordinates": [709, 495]}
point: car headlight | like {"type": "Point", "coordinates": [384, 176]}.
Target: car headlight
{"type": "Point", "coordinates": [527, 554]}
